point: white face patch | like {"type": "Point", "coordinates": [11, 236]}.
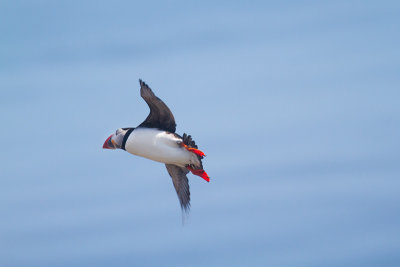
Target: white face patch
{"type": "Point", "coordinates": [118, 137]}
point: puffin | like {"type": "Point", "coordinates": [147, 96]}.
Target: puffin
{"type": "Point", "coordinates": [155, 139]}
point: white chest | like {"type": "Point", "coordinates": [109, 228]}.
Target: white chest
{"type": "Point", "coordinates": [157, 145]}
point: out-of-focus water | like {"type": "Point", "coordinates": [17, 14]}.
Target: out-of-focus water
{"type": "Point", "coordinates": [296, 106]}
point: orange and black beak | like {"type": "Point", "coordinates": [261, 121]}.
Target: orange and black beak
{"type": "Point", "coordinates": [109, 143]}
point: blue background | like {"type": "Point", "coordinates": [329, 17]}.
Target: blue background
{"type": "Point", "coordinates": [295, 103]}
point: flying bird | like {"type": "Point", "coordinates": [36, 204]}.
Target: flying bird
{"type": "Point", "coordinates": [155, 139]}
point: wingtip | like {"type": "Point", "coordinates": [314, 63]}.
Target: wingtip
{"type": "Point", "coordinates": [185, 209]}
{"type": "Point", "coordinates": [142, 83]}
{"type": "Point", "coordinates": [185, 205]}
{"type": "Point", "coordinates": [185, 216]}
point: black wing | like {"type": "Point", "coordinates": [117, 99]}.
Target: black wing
{"type": "Point", "coordinates": [160, 116]}
{"type": "Point", "coordinates": [181, 184]}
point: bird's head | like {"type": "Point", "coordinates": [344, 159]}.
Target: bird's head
{"type": "Point", "coordinates": [115, 141]}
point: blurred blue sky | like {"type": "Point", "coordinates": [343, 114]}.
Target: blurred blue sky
{"type": "Point", "coordinates": [295, 103]}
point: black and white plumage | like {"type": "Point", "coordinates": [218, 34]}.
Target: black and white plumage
{"type": "Point", "coordinates": [155, 139]}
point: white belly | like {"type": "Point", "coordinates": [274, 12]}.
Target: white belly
{"type": "Point", "coordinates": [159, 146]}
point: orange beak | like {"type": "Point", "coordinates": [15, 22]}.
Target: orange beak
{"type": "Point", "coordinates": [108, 144]}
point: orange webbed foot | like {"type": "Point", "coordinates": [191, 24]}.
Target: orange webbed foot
{"type": "Point", "coordinates": [200, 173]}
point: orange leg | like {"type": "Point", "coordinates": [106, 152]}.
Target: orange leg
{"type": "Point", "coordinates": [194, 150]}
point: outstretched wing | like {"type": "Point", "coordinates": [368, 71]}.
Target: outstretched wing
{"type": "Point", "coordinates": [181, 184]}
{"type": "Point", "coordinates": [160, 116]}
